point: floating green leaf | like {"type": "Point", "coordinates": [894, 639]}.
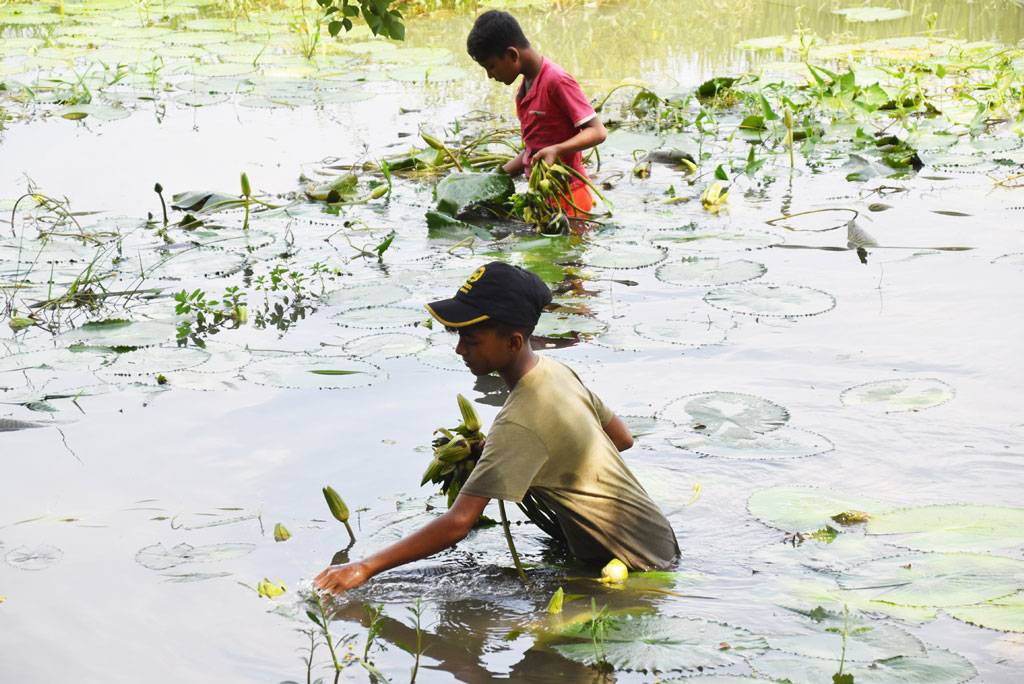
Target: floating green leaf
{"type": "Point", "coordinates": [459, 191]}
{"type": "Point", "coordinates": [386, 345]}
{"type": "Point", "coordinates": [681, 332]}
{"type": "Point", "coordinates": [936, 579]}
{"type": "Point", "coordinates": [785, 442]}
{"type": "Point", "coordinates": [370, 294]}
{"type": "Point", "coordinates": [952, 527]}
{"type": "Point", "coordinates": [866, 641]}
{"type": "Point", "coordinates": [380, 317]}
{"type": "Point", "coordinates": [709, 271]}
{"type": "Point", "coordinates": [157, 557]}
{"type": "Point", "coordinates": [938, 666]}
{"type": "Point", "coordinates": [795, 508]}
{"type": "Point", "coordinates": [726, 414]}
{"type": "Point", "coordinates": [34, 558]}
{"type": "Point", "coordinates": [662, 643]}
{"type": "Point", "coordinates": [766, 299]}
{"type": "Point", "coordinates": [1005, 614]}
{"type": "Point", "coordinates": [905, 394]}
{"type": "Point", "coordinates": [623, 255]}
{"type": "Point", "coordinates": [553, 324]}
{"type": "Point", "coordinates": [301, 372]}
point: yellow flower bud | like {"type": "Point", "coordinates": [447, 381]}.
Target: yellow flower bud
{"type": "Point", "coordinates": [615, 572]}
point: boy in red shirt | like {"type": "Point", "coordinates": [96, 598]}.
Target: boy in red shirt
{"type": "Point", "coordinates": [556, 118]}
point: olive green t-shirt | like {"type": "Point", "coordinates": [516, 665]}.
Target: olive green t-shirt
{"type": "Point", "coordinates": [549, 438]}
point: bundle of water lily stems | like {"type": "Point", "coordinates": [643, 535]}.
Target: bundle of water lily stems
{"type": "Point", "coordinates": [456, 452]}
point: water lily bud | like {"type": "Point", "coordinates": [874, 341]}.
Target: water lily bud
{"type": "Point", "coordinates": [246, 190]}
{"type": "Point", "coordinates": [281, 533]}
{"type": "Point", "coordinates": [379, 192]}
{"type": "Point", "coordinates": [788, 118]}
{"type": "Point", "coordinates": [615, 572]}
{"type": "Point", "coordinates": [432, 141]}
{"type": "Point", "coordinates": [453, 451]}
{"type": "Point", "coordinates": [338, 508]}
{"type": "Point", "coordinates": [469, 415]}
{"type": "Point", "coordinates": [555, 604]}
{"type": "Point", "coordinates": [158, 188]}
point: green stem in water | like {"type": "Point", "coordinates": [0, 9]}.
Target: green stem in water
{"type": "Point", "coordinates": [508, 538]}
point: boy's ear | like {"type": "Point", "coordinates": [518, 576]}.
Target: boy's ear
{"type": "Point", "coordinates": [512, 53]}
{"type": "Point", "coordinates": [515, 341]}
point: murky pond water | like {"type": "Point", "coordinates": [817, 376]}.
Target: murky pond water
{"type": "Point", "coordinates": [775, 374]}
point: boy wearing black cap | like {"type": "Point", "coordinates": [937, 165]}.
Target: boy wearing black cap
{"type": "Point", "coordinates": [553, 436]}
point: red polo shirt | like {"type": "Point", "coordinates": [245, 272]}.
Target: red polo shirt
{"type": "Point", "coordinates": [552, 112]}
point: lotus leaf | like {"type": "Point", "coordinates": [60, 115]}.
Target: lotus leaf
{"type": "Point", "coordinates": [710, 271]}
{"type": "Point", "coordinates": [802, 509]}
{"type": "Point", "coordinates": [785, 442]}
{"type": "Point", "coordinates": [942, 580]}
{"type": "Point", "coordinates": [1005, 614]}
{"type": "Point", "coordinates": [567, 325]}
{"type": "Point", "coordinates": [387, 345]}
{"type": "Point", "coordinates": [766, 299]}
{"type": "Point", "coordinates": [728, 415]}
{"type": "Point", "coordinates": [38, 558]}
{"type": "Point", "coordinates": [905, 394]}
{"type": "Point", "coordinates": [623, 255]}
{"type": "Point", "coordinates": [866, 641]}
{"type": "Point", "coordinates": [370, 294]}
{"type": "Point", "coordinates": [153, 360]}
{"type": "Point", "coordinates": [157, 557]}
{"type": "Point", "coordinates": [685, 333]}
{"type": "Point", "coordinates": [459, 191]}
{"type": "Point", "coordinates": [952, 527]}
{"type": "Point", "coordinates": [300, 371]}
{"type": "Point", "coordinates": [662, 643]}
{"type": "Point", "coordinates": [939, 666]}
{"type": "Point", "coordinates": [380, 317]}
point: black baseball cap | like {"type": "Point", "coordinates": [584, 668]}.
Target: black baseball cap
{"type": "Point", "coordinates": [496, 291]}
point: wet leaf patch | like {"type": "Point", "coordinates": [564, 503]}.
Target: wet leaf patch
{"type": "Point", "coordinates": [891, 396]}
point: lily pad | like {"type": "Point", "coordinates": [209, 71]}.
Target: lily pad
{"type": "Point", "coordinates": [794, 508]}
{"type": "Point", "coordinates": [380, 317]}
{"type": "Point", "coordinates": [938, 666]}
{"type": "Point", "coordinates": [153, 360]}
{"type": "Point", "coordinates": [623, 255]}
{"type": "Point", "coordinates": [785, 442]}
{"type": "Point", "coordinates": [711, 240]}
{"type": "Point", "coordinates": [74, 358]}
{"type": "Point", "coordinates": [371, 294]}
{"type": "Point", "coordinates": [942, 580]}
{"type": "Point", "coordinates": [121, 333]}
{"type": "Point", "coordinates": [459, 191]}
{"type": "Point", "coordinates": [726, 414]}
{"type": "Point", "coordinates": [387, 345]}
{"type": "Point", "coordinates": [36, 558]}
{"type": "Point", "coordinates": [553, 324]}
{"type": "Point", "coordinates": [709, 271]}
{"type": "Point", "coordinates": [97, 111]}
{"type": "Point", "coordinates": [662, 643]}
{"type": "Point", "coordinates": [682, 332]}
{"type": "Point", "coordinates": [312, 372]}
{"type": "Point", "coordinates": [907, 394]}
{"type": "Point", "coordinates": [866, 641]}
{"type": "Point", "coordinates": [766, 299]}
{"type": "Point", "coordinates": [1005, 614]}
{"type": "Point", "coordinates": [157, 557]}
{"type": "Point", "coordinates": [952, 527]}
{"type": "Point", "coordinates": [442, 355]}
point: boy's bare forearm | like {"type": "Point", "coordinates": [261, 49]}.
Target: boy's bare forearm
{"type": "Point", "coordinates": [515, 166]}
{"type": "Point", "coordinates": [591, 134]}
{"type": "Point", "coordinates": [435, 536]}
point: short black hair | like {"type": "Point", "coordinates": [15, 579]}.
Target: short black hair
{"type": "Point", "coordinates": [500, 327]}
{"type": "Point", "coordinates": [494, 32]}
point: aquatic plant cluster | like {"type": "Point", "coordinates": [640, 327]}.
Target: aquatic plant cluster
{"type": "Point", "coordinates": [738, 211]}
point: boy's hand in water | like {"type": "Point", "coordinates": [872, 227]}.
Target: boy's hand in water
{"type": "Point", "coordinates": [340, 578]}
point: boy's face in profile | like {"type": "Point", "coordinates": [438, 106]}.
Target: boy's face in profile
{"type": "Point", "coordinates": [484, 350]}
{"type": "Point", "coordinates": [504, 67]}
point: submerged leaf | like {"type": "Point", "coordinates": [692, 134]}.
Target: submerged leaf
{"type": "Point", "coordinates": [459, 191]}
{"type": "Point", "coordinates": [157, 557]}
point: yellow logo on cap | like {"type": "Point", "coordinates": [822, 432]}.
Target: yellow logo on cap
{"type": "Point", "coordinates": [476, 275]}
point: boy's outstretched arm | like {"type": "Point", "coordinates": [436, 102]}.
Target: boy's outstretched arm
{"type": "Point", "coordinates": [435, 536]}
{"type": "Point", "coordinates": [619, 433]}
{"type": "Point", "coordinates": [591, 133]}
